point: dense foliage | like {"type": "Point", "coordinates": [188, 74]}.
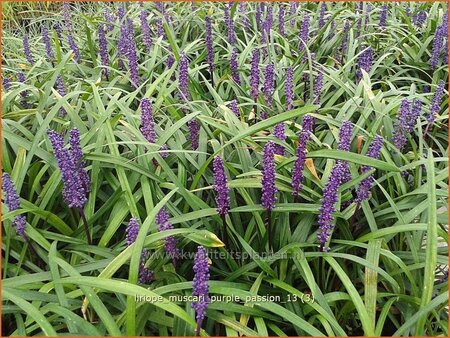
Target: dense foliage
{"type": "Point", "coordinates": [225, 169]}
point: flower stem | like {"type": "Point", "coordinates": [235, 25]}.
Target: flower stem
{"type": "Point", "coordinates": [224, 231]}
{"type": "Point", "coordinates": [86, 227]}
{"type": "Point", "coordinates": [269, 229]}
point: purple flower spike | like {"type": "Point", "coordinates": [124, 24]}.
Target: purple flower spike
{"type": "Point", "coordinates": [160, 28]}
{"type": "Point", "coordinates": [163, 151]}
{"type": "Point", "coordinates": [297, 171]}
{"type": "Point", "coordinates": [323, 8]}
{"type": "Point", "coordinates": [47, 43]}
{"type": "Point", "coordinates": [329, 199]}
{"type": "Point", "coordinates": [264, 115]}
{"type": "Point", "coordinates": [269, 83]}
{"type": "Point", "coordinates": [6, 83]}
{"type": "Point", "coordinates": [436, 102]}
{"type": "Point", "coordinates": [383, 16]}
{"type": "Point", "coordinates": [162, 220]}
{"type": "Point", "coordinates": [147, 122]}
{"type": "Point", "coordinates": [365, 185]}
{"type": "Point", "coordinates": [145, 28]}
{"type": "Point", "coordinates": [221, 187]}
{"type": "Point", "coordinates": [402, 124]}
{"type": "Point", "coordinates": [254, 76]}
{"type": "Point", "coordinates": [183, 77]}
{"type": "Point", "coordinates": [438, 42]}
{"type": "Point", "coordinates": [67, 19]}
{"type": "Point", "coordinates": [269, 189]}
{"type": "Point", "coordinates": [103, 49]}
{"type": "Point", "coordinates": [365, 62]}
{"type": "Point", "coordinates": [209, 44]}
{"type": "Point", "coordinates": [194, 133]}
{"type": "Point", "coordinates": [200, 286]}
{"type": "Point", "coordinates": [58, 29]}
{"type": "Point", "coordinates": [77, 156]}
{"type": "Point", "coordinates": [26, 50]}
{"type": "Point", "coordinates": [12, 201]}
{"type": "Point", "coordinates": [234, 108]}
{"type": "Point", "coordinates": [318, 86]}
{"type": "Point", "coordinates": [280, 133]}
{"type": "Point", "coordinates": [345, 138]}
{"type": "Point", "coordinates": [289, 88]}
{"type": "Point", "coordinates": [420, 19]}
{"type": "Point", "coordinates": [73, 47]}
{"type": "Point", "coordinates": [245, 18]}
{"type": "Point", "coordinates": [304, 33]}
{"type": "Point", "coordinates": [133, 63]}
{"type": "Point", "coordinates": [234, 67]}
{"type": "Point", "coordinates": [293, 12]}
{"type": "Point", "coordinates": [343, 46]}
{"type": "Point", "coordinates": [281, 14]}
{"type": "Point", "coordinates": [109, 18]}
{"type": "Point", "coordinates": [132, 231]}
{"type": "Point", "coordinates": [73, 193]}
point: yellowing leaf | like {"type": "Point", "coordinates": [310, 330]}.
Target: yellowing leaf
{"type": "Point", "coordinates": [359, 144]}
{"type": "Point", "coordinates": [310, 165]}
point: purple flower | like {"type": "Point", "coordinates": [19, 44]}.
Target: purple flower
{"type": "Point", "coordinates": [297, 171]}
{"type": "Point", "coordinates": [323, 8]}
{"type": "Point", "coordinates": [329, 199]}
{"type": "Point", "coordinates": [304, 33]}
{"type": "Point", "coordinates": [365, 185]}
{"type": "Point", "coordinates": [221, 187]}
{"type": "Point", "coordinates": [6, 83]}
{"type": "Point", "coordinates": [73, 46]}
{"type": "Point", "coordinates": [293, 12]}
{"type": "Point", "coordinates": [365, 62]}
{"type": "Point", "coordinates": [281, 14]}
{"type": "Point", "coordinates": [145, 28]}
{"type": "Point", "coordinates": [269, 83]}
{"type": "Point", "coordinates": [254, 76]}
{"type": "Point", "coordinates": [109, 18]}
{"type": "Point", "coordinates": [245, 18]}
{"type": "Point", "coordinates": [163, 151]}
{"type": "Point", "coordinates": [269, 190]}
{"type": "Point", "coordinates": [258, 15]}
{"type": "Point", "coordinates": [12, 201]}
{"type": "Point", "coordinates": [133, 58]}
{"type": "Point", "coordinates": [147, 122]}
{"type": "Point", "coordinates": [66, 13]}
{"type": "Point", "coordinates": [58, 29]}
{"type": "Point", "coordinates": [73, 193]}
{"type": "Point", "coordinates": [47, 43]}
{"type": "Point", "coordinates": [436, 102]}
{"type": "Point", "coordinates": [234, 67]}
{"type": "Point", "coordinates": [234, 107]}
{"type": "Point", "coordinates": [183, 77]}
{"type": "Point", "coordinates": [200, 286]}
{"type": "Point", "coordinates": [402, 124]}
{"type": "Point", "coordinates": [231, 32]}
{"type": "Point", "coordinates": [209, 44]}
{"type": "Point", "coordinates": [264, 115]}
{"type": "Point", "coordinates": [160, 28]}
{"type": "Point", "coordinates": [77, 157]}
{"type": "Point", "coordinates": [289, 88]}
{"type": "Point", "coordinates": [194, 130]}
{"type": "Point", "coordinates": [132, 231]}
{"type": "Point", "coordinates": [318, 86]}
{"type": "Point", "coordinates": [27, 51]}
{"type": "Point", "coordinates": [279, 133]}
{"type": "Point", "coordinates": [383, 15]}
{"type": "Point", "coordinates": [103, 49]}
{"type": "Point", "coordinates": [438, 42]}
{"type": "Point", "coordinates": [332, 30]}
{"type": "Point", "coordinates": [343, 46]}
{"type": "Point", "coordinates": [420, 18]}
{"type": "Point", "coordinates": [170, 243]}
{"type": "Point", "coordinates": [308, 123]}
{"type": "Point", "coordinates": [345, 138]}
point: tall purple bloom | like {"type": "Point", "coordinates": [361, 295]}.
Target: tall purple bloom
{"type": "Point", "coordinates": [160, 28]}
{"type": "Point", "coordinates": [365, 62]}
{"type": "Point", "coordinates": [145, 28]}
{"type": "Point", "coordinates": [402, 124]}
{"type": "Point", "coordinates": [133, 63]}
{"type": "Point", "coordinates": [438, 42]}
{"type": "Point", "coordinates": [66, 13]}
{"type": "Point", "coordinates": [183, 77]}
{"type": "Point", "coordinates": [297, 170]}
{"type": "Point", "coordinates": [170, 243]}
{"type": "Point", "coordinates": [345, 30]}
{"type": "Point", "coordinates": [323, 8]}
{"type": "Point", "coordinates": [269, 190]}
{"type": "Point", "coordinates": [383, 15]}
{"type": "Point", "coordinates": [47, 43]}
{"type": "Point", "coordinates": [254, 76]}
{"type": "Point", "coordinates": [24, 94]}
{"type": "Point", "coordinates": [147, 122]}
{"type": "Point", "coordinates": [329, 199]}
{"type": "Point", "coordinates": [221, 187]}
{"type": "Point", "coordinates": [436, 102]}
{"type": "Point", "coordinates": [103, 49]}
{"type": "Point", "coordinates": [209, 44]}
{"type": "Point", "coordinates": [12, 201]}
{"type": "Point", "coordinates": [289, 88]}
{"type": "Point", "coordinates": [132, 231]}
{"type": "Point", "coordinates": [364, 187]}
{"type": "Point", "coordinates": [73, 46]}
{"type": "Point", "coordinates": [109, 18]}
{"type": "Point", "coordinates": [6, 83]}
{"type": "Point", "coordinates": [281, 14]}
{"type": "Point", "coordinates": [304, 33]}
{"type": "Point", "coordinates": [26, 50]}
{"type": "Point", "coordinates": [293, 12]}
{"type": "Point", "coordinates": [345, 138]}
{"type": "Point", "coordinates": [258, 15]}
{"type": "Point", "coordinates": [200, 286]}
{"type": "Point", "coordinates": [77, 157]}
{"type": "Point", "coordinates": [280, 133]}
{"type": "Point", "coordinates": [318, 86]}
{"type": "Point", "coordinates": [269, 83]}
{"type": "Point", "coordinates": [194, 133]}
{"type": "Point", "coordinates": [420, 18]}
{"type": "Point", "coordinates": [73, 193]}
{"type": "Point", "coordinates": [58, 29]}
{"type": "Point", "coordinates": [234, 107]}
{"type": "Point", "coordinates": [234, 67]}
{"type": "Point", "coordinates": [243, 12]}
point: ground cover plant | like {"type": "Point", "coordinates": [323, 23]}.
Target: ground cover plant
{"type": "Point", "coordinates": [234, 168]}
